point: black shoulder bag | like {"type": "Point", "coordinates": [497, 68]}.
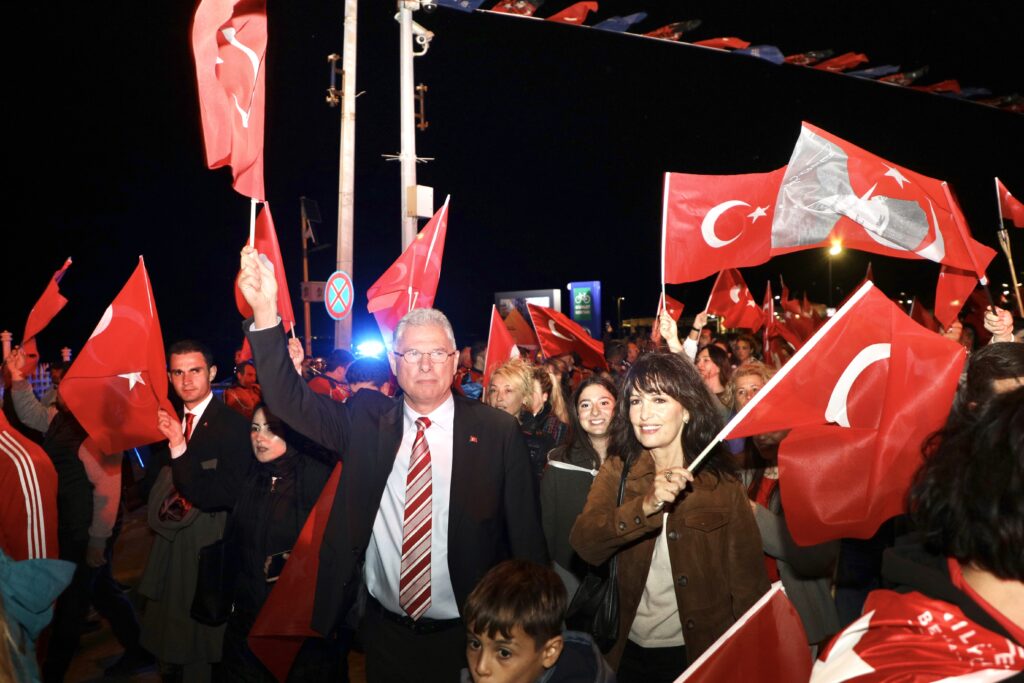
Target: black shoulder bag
{"type": "Point", "coordinates": [595, 607]}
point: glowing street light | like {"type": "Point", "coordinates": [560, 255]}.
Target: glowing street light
{"type": "Point", "coordinates": [835, 250]}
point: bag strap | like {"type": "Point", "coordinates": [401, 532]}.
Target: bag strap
{"type": "Point", "coordinates": [613, 563]}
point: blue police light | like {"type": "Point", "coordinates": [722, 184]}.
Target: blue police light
{"type": "Point", "coordinates": [370, 348]}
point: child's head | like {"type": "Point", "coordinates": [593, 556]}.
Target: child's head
{"type": "Point", "coordinates": [514, 623]}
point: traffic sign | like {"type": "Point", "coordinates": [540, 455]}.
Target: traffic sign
{"type": "Point", "coordinates": [339, 295]}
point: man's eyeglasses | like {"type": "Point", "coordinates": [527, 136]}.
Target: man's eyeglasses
{"type": "Point", "coordinates": [414, 356]}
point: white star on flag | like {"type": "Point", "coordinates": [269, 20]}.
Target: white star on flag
{"type": "Point", "coordinates": [757, 213]}
{"type": "Point", "coordinates": [133, 379]}
{"type": "Point", "coordinates": [895, 174]}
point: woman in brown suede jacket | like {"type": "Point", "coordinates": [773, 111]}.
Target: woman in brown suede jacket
{"type": "Point", "coordinates": [690, 560]}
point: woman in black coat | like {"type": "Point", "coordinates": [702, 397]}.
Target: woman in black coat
{"type": "Point", "coordinates": [279, 490]}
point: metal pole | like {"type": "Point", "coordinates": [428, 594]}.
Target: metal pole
{"type": "Point", "coordinates": [346, 163]}
{"type": "Point", "coordinates": [307, 333]}
{"type": "Point", "coordinates": [407, 99]}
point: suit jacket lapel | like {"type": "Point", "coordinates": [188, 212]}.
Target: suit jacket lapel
{"type": "Point", "coordinates": [364, 502]}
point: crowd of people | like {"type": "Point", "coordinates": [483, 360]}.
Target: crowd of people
{"type": "Point", "coordinates": [471, 519]}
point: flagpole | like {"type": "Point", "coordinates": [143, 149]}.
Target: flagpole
{"type": "Point", "coordinates": [252, 221]}
{"type": "Point", "coordinates": [783, 371]}
{"type": "Point", "coordinates": [664, 234]}
{"type": "Point", "coordinates": [1004, 243]}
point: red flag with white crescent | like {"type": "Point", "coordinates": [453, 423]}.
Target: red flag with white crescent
{"type": "Point", "coordinates": [229, 43]}
{"type": "Point", "coordinates": [834, 191]}
{"type": "Point", "coordinates": [559, 335]}
{"type": "Point", "coordinates": [283, 622]}
{"type": "Point", "coordinates": [500, 345]}
{"type": "Point", "coordinates": [714, 222]}
{"type": "Point", "coordinates": [923, 317]}
{"type": "Point", "coordinates": [860, 398]}
{"type": "Point", "coordinates": [119, 379]}
{"type": "Point", "coordinates": [265, 242]}
{"type": "Point", "coordinates": [411, 281]}
{"type": "Point", "coordinates": [732, 300]}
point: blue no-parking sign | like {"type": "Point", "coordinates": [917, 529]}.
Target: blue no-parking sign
{"type": "Point", "coordinates": [339, 295]}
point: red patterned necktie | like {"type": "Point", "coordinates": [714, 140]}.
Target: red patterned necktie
{"type": "Point", "coordinates": [414, 582]}
{"type": "Point", "coordinates": [188, 425]}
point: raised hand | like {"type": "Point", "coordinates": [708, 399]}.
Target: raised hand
{"type": "Point", "coordinates": [999, 323]}
{"type": "Point", "coordinates": [170, 427]}
{"type": "Point", "coordinates": [296, 353]}
{"type": "Point", "coordinates": [667, 487]}
{"type": "Point", "coordinates": [258, 285]}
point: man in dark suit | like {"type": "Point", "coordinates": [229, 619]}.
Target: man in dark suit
{"type": "Point", "coordinates": [434, 492]}
{"type": "Point", "coordinates": [208, 451]}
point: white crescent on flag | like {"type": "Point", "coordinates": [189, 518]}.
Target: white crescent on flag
{"type": "Point", "coordinates": [835, 411]}
{"type": "Point", "coordinates": [734, 294]}
{"type": "Point", "coordinates": [707, 226]}
{"type": "Point", "coordinates": [230, 34]}
{"type": "Point", "coordinates": [551, 326]}
{"type": "Point", "coordinates": [104, 322]}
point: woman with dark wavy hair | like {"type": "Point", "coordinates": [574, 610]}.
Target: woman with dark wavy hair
{"type": "Point", "coordinates": [689, 553]}
{"type": "Point", "coordinates": [956, 610]}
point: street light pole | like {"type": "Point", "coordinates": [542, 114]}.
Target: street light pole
{"type": "Point", "coordinates": [618, 306]}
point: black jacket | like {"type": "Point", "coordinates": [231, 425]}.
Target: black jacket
{"type": "Point", "coordinates": [493, 513]}
{"type": "Point", "coordinates": [218, 456]}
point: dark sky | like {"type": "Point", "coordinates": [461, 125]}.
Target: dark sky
{"type": "Point", "coordinates": [551, 140]}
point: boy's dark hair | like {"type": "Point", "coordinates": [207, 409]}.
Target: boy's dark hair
{"type": "Point", "coordinates": [190, 346]}
{"type": "Point", "coordinates": [368, 369]}
{"type": "Point", "coordinates": [339, 358]}
{"type": "Point", "coordinates": [968, 497]}
{"type": "Point", "coordinates": [518, 593]}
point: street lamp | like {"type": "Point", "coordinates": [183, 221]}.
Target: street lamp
{"type": "Point", "coordinates": [618, 307]}
{"type": "Point", "coordinates": [835, 250]}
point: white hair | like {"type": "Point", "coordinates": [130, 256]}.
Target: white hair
{"type": "Point", "coordinates": [422, 317]}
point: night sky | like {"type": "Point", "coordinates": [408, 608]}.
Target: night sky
{"type": "Point", "coordinates": [551, 139]}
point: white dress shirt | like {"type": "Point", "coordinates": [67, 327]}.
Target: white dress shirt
{"type": "Point", "coordinates": [178, 451]}
{"type": "Point", "coordinates": [384, 554]}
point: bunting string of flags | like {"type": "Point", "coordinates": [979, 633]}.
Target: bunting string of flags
{"type": "Point", "coordinates": [824, 60]}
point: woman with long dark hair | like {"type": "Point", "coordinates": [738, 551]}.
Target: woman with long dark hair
{"type": "Point", "coordinates": [571, 470]}
{"type": "Point", "coordinates": [689, 554]}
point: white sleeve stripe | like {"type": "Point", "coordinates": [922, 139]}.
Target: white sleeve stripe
{"type": "Point", "coordinates": [36, 535]}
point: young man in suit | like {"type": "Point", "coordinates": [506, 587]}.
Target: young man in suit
{"type": "Point", "coordinates": [434, 492]}
{"type": "Point", "coordinates": [208, 451]}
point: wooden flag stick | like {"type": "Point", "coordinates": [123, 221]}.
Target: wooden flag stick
{"type": "Point", "coordinates": [1004, 242]}
{"type": "Point", "coordinates": [252, 222]}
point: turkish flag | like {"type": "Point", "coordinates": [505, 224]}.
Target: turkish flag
{"type": "Point", "coordinates": [28, 507]}
{"type": "Point", "coordinates": [834, 191]}
{"type": "Point", "coordinates": [229, 43]}
{"type": "Point", "coordinates": [411, 281]}
{"type": "Point", "coordinates": [119, 380]}
{"type": "Point", "coordinates": [675, 30]}
{"type": "Point", "coordinates": [860, 398]}
{"type": "Point", "coordinates": [265, 241]}
{"type": "Point", "coordinates": [574, 14]}
{"type": "Point", "coordinates": [923, 316]}
{"type": "Point", "coordinates": [767, 644]}
{"type": "Point", "coordinates": [710, 223]}
{"type": "Point", "coordinates": [520, 330]}
{"type": "Point", "coordinates": [726, 43]}
{"type": "Point", "coordinates": [283, 621]}
{"type": "Point", "coordinates": [845, 61]}
{"type": "Point", "coordinates": [1010, 207]}
{"type": "Point", "coordinates": [674, 308]}
{"type": "Point", "coordinates": [520, 7]}
{"type": "Point", "coordinates": [559, 335]}
{"type": "Point", "coordinates": [913, 638]}
{"type": "Point", "coordinates": [954, 288]}
{"type": "Point", "coordinates": [48, 306]}
{"type": "Point", "coordinates": [731, 299]}
{"type": "Point", "coordinates": [500, 345]}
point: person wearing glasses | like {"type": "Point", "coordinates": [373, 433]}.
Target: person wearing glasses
{"type": "Point", "coordinates": [433, 492]}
